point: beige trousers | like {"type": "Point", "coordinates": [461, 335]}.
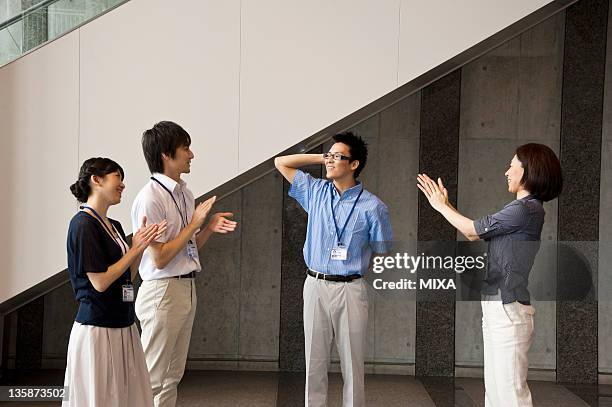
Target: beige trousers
{"type": "Point", "coordinates": [507, 331]}
{"type": "Point", "coordinates": [335, 311]}
{"type": "Point", "coordinates": [166, 309]}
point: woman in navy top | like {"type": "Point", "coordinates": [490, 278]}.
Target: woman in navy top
{"type": "Point", "coordinates": [513, 234]}
{"type": "Point", "coordinates": [105, 365]}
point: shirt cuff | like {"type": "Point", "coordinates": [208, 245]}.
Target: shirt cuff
{"type": "Point", "coordinates": [481, 226]}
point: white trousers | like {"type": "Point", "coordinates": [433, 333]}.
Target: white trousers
{"type": "Point", "coordinates": [166, 309]}
{"type": "Point", "coordinates": [106, 367]}
{"type": "Point", "coordinates": [335, 310]}
{"type": "Point", "coordinates": [507, 331]}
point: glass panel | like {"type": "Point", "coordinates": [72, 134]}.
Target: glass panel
{"type": "Point", "coordinates": [51, 19]}
{"type": "Point", "coordinates": [11, 42]}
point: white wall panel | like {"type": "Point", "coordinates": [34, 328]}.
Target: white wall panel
{"type": "Point", "coordinates": [435, 31]}
{"type": "Point", "coordinates": [152, 60]}
{"type": "Point", "coordinates": [306, 65]}
{"type": "Point", "coordinates": [38, 160]}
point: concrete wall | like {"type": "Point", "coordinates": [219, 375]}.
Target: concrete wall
{"type": "Point", "coordinates": [237, 320]}
{"type": "Point", "coordinates": [509, 97]}
{"type": "Point", "coordinates": [393, 159]}
{"type": "Point", "coordinates": [246, 78]}
{"type": "Point", "coordinates": [238, 317]}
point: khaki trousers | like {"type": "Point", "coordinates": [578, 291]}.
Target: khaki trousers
{"type": "Point", "coordinates": [335, 311]}
{"type": "Point", "coordinates": [166, 309]}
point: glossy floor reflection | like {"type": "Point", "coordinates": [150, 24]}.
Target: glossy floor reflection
{"type": "Point", "coordinates": [267, 389]}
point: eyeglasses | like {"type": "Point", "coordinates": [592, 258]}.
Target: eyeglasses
{"type": "Point", "coordinates": [335, 156]}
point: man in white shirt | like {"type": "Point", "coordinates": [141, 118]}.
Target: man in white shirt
{"type": "Point", "coordinates": [166, 300]}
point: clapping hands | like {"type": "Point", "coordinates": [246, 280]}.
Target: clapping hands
{"type": "Point", "coordinates": [147, 234]}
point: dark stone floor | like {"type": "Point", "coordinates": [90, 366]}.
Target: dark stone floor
{"type": "Point", "coordinates": [236, 389]}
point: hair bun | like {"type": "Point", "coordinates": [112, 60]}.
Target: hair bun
{"type": "Point", "coordinates": [97, 166]}
{"type": "Point", "coordinates": [79, 190]}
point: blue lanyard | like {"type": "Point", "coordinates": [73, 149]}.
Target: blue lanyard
{"type": "Point", "coordinates": [183, 217]}
{"type": "Point", "coordinates": [331, 203]}
{"type": "Point", "coordinates": [122, 246]}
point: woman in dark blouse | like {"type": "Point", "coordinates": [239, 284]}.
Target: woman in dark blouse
{"type": "Point", "coordinates": [106, 365]}
{"type": "Point", "coordinates": [513, 235]}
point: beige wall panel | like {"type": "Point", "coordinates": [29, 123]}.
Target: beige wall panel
{"type": "Point", "coordinates": [306, 65]}
{"type": "Point", "coordinates": [38, 160]}
{"type": "Point", "coordinates": [155, 60]}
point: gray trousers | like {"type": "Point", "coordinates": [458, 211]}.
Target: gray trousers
{"type": "Point", "coordinates": [335, 311]}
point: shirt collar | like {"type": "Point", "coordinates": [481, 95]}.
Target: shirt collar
{"type": "Point", "coordinates": [530, 197]}
{"type": "Point", "coordinates": [167, 181]}
{"type": "Point", "coordinates": [349, 193]}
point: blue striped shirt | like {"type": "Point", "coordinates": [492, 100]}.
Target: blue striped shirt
{"type": "Point", "coordinates": [368, 229]}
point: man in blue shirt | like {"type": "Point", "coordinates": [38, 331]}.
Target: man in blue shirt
{"type": "Point", "coordinates": [346, 224]}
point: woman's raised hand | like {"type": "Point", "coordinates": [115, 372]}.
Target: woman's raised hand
{"type": "Point", "coordinates": [436, 193]}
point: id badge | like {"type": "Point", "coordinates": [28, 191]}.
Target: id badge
{"type": "Point", "coordinates": [192, 250]}
{"type": "Point", "coordinates": [128, 293]}
{"type": "Point", "coordinates": [339, 253]}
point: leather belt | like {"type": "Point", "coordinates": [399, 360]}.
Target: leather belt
{"type": "Point", "coordinates": [188, 275]}
{"type": "Point", "coordinates": [333, 277]}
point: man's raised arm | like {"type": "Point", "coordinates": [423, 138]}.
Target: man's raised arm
{"type": "Point", "coordinates": [288, 164]}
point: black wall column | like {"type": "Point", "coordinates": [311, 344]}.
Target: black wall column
{"type": "Point", "coordinates": [438, 157]}
{"type": "Point", "coordinates": [581, 125]}
{"type": "Point", "coordinates": [293, 269]}
{"type": "Point", "coordinates": [30, 320]}
{"type": "Point", "coordinates": [293, 274]}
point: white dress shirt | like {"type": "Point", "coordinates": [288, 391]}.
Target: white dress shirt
{"type": "Point", "coordinates": [154, 202]}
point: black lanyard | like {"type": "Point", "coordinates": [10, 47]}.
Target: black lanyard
{"type": "Point", "coordinates": [183, 217]}
{"type": "Point", "coordinates": [183, 221]}
{"type": "Point", "coordinates": [331, 203]}
{"type": "Point", "coordinates": [122, 245]}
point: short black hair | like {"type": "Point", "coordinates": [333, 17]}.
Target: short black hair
{"type": "Point", "coordinates": [98, 166]}
{"type": "Point", "coordinates": [164, 138]}
{"type": "Point", "coordinates": [542, 175]}
{"type": "Point", "coordinates": [358, 149]}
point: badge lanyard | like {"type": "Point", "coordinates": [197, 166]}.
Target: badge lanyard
{"type": "Point", "coordinates": [340, 252]}
{"type": "Point", "coordinates": [127, 289]}
{"type": "Point", "coordinates": [121, 243]}
{"type": "Point", "coordinates": [183, 217]}
{"type": "Point", "coordinates": [191, 249]}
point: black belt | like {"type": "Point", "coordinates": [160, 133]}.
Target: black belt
{"type": "Point", "coordinates": [188, 275]}
{"type": "Point", "coordinates": [333, 277]}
